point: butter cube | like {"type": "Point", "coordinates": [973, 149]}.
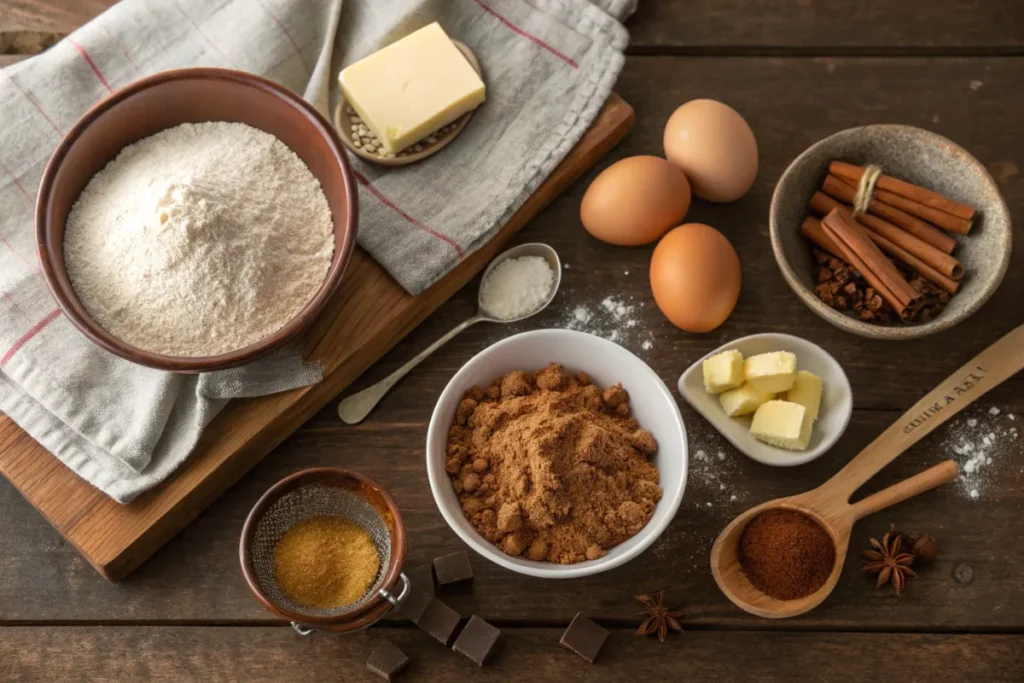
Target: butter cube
{"type": "Point", "coordinates": [743, 401]}
{"type": "Point", "coordinates": [772, 372]}
{"type": "Point", "coordinates": [723, 371]}
{"type": "Point", "coordinates": [782, 424]}
{"type": "Point", "coordinates": [409, 89]}
{"type": "Point", "coordinates": [807, 392]}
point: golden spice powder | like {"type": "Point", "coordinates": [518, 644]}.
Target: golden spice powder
{"type": "Point", "coordinates": [325, 562]}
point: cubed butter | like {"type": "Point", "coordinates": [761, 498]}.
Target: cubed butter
{"type": "Point", "coordinates": [782, 424]}
{"type": "Point", "coordinates": [743, 400]}
{"type": "Point", "coordinates": [723, 371]}
{"type": "Point", "coordinates": [409, 89]}
{"type": "Point", "coordinates": [772, 372]}
{"type": "Point", "coordinates": [807, 392]}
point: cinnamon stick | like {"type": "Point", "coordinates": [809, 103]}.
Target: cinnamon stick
{"type": "Point", "coordinates": [946, 221]}
{"type": "Point", "coordinates": [812, 230]}
{"type": "Point", "coordinates": [902, 188]}
{"type": "Point", "coordinates": [839, 189]}
{"type": "Point", "coordinates": [863, 255]}
{"type": "Point", "coordinates": [938, 260]}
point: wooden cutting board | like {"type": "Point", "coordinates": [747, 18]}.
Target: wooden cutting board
{"type": "Point", "coordinates": [369, 314]}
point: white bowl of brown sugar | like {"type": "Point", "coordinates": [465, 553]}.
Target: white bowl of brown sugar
{"type": "Point", "coordinates": [557, 454]}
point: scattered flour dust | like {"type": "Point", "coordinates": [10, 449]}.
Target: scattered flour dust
{"type": "Point", "coordinates": [985, 443]}
{"type": "Point", "coordinates": [199, 240]}
{"type": "Point", "coordinates": [714, 495]}
{"type": "Point", "coordinates": [614, 317]}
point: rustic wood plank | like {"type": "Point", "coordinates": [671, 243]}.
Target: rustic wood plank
{"type": "Point", "coordinates": [351, 333]}
{"type": "Point", "coordinates": [993, 25]}
{"type": "Point", "coordinates": [48, 16]}
{"type": "Point", "coordinates": [227, 654]}
{"type": "Point", "coordinates": [195, 577]}
{"type": "Point", "coordinates": [828, 26]}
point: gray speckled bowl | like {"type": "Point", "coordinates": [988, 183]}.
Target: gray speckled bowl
{"type": "Point", "coordinates": [920, 157]}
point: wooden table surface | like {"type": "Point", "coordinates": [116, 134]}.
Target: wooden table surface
{"type": "Point", "coordinates": [798, 70]}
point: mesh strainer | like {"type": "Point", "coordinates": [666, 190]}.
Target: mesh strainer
{"type": "Point", "coordinates": [325, 491]}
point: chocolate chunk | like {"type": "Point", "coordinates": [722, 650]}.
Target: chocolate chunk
{"type": "Point", "coordinates": [421, 576]}
{"type": "Point", "coordinates": [454, 569]}
{"type": "Point", "coordinates": [584, 637]}
{"type": "Point", "coordinates": [416, 604]}
{"type": "Point", "coordinates": [387, 660]}
{"type": "Point", "coordinates": [440, 621]}
{"type": "Point", "coordinates": [477, 640]}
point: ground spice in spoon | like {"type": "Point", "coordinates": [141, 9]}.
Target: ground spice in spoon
{"type": "Point", "coordinates": [786, 554]}
{"type": "Point", "coordinates": [325, 562]}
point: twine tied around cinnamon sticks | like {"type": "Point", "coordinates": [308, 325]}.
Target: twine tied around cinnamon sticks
{"type": "Point", "coordinates": [866, 190]}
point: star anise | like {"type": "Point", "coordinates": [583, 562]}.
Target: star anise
{"type": "Point", "coordinates": [658, 618]}
{"type": "Point", "coordinates": [889, 563]}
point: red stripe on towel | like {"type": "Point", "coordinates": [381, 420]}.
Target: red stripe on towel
{"type": "Point", "coordinates": [92, 64]}
{"type": "Point", "coordinates": [35, 104]}
{"type": "Point", "coordinates": [286, 32]}
{"type": "Point", "coordinates": [21, 258]}
{"type": "Point", "coordinates": [561, 55]}
{"type": "Point", "coordinates": [33, 331]}
{"type": "Point", "coordinates": [394, 207]}
{"type": "Point", "coordinates": [17, 183]}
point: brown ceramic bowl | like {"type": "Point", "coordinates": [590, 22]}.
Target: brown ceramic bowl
{"type": "Point", "coordinates": [920, 157]}
{"type": "Point", "coordinates": [163, 101]}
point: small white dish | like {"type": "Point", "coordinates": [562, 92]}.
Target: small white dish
{"type": "Point", "coordinates": [606, 362]}
{"type": "Point", "coordinates": [836, 399]}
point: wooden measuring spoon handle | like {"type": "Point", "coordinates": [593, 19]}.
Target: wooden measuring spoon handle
{"type": "Point", "coordinates": [908, 488]}
{"type": "Point", "coordinates": [988, 369]}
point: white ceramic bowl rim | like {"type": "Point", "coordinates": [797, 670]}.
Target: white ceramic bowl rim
{"type": "Point", "coordinates": [664, 513]}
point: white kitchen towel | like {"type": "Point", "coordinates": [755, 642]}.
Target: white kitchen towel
{"type": "Point", "coordinates": [548, 65]}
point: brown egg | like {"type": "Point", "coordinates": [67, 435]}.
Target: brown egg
{"type": "Point", "coordinates": [635, 201]}
{"type": "Point", "coordinates": [714, 147]}
{"type": "Point", "coordinates": [695, 277]}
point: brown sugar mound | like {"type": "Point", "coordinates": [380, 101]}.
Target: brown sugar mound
{"type": "Point", "coordinates": [549, 467]}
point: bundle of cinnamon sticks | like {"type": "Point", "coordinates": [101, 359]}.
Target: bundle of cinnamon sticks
{"type": "Point", "coordinates": [905, 230]}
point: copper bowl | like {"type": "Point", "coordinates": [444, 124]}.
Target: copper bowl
{"type": "Point", "coordinates": [163, 101]}
{"type": "Point", "coordinates": [320, 491]}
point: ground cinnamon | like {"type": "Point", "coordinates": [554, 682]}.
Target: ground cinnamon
{"type": "Point", "coordinates": [549, 467]}
{"type": "Point", "coordinates": [325, 562]}
{"type": "Point", "coordinates": [786, 554]}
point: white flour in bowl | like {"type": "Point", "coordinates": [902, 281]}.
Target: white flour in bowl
{"type": "Point", "coordinates": [199, 240]}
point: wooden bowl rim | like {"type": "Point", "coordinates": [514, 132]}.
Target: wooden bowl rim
{"type": "Point", "coordinates": [194, 364]}
{"type": "Point", "coordinates": [902, 331]}
{"type": "Point", "coordinates": [372, 609]}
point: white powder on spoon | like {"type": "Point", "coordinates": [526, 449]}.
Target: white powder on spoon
{"type": "Point", "coordinates": [199, 240]}
{"type": "Point", "coordinates": [517, 287]}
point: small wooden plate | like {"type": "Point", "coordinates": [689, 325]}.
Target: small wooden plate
{"type": "Point", "coordinates": [343, 120]}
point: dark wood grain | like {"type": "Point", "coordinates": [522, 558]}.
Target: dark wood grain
{"type": "Point", "coordinates": [718, 25]}
{"type": "Point", "coordinates": [254, 655]}
{"type": "Point", "coordinates": [880, 25]}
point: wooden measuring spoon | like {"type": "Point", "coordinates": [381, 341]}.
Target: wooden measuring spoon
{"type": "Point", "coordinates": [829, 504]}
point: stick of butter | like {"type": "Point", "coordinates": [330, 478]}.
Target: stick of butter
{"type": "Point", "coordinates": [782, 424]}
{"type": "Point", "coordinates": [773, 372]}
{"type": "Point", "coordinates": [807, 392]}
{"type": "Point", "coordinates": [743, 401]}
{"type": "Point", "coordinates": [409, 89]}
{"type": "Point", "coordinates": [723, 371]}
